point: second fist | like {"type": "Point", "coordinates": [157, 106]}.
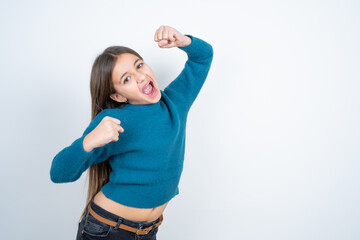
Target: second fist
{"type": "Point", "coordinates": [105, 132]}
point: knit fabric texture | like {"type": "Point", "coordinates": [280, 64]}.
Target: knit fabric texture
{"type": "Point", "coordinates": [147, 160]}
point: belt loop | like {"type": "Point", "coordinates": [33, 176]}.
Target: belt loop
{"type": "Point", "coordinates": [138, 229]}
{"type": "Point", "coordinates": [120, 220]}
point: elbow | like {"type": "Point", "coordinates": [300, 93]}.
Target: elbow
{"type": "Point", "coordinates": [55, 177]}
{"type": "Point", "coordinates": [61, 179]}
{"type": "Point", "coordinates": [210, 51]}
{"type": "Point", "coordinates": [210, 54]}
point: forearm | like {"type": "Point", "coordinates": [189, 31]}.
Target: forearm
{"type": "Point", "coordinates": [198, 50]}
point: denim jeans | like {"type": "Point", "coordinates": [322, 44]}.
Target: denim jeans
{"type": "Point", "coordinates": [91, 228]}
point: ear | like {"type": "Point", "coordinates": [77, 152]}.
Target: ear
{"type": "Point", "coordinates": [118, 98]}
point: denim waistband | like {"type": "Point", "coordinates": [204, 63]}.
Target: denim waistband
{"type": "Point", "coordinates": [111, 216]}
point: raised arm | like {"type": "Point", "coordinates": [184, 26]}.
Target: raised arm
{"type": "Point", "coordinates": [186, 87]}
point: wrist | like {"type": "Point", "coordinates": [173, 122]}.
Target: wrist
{"type": "Point", "coordinates": [87, 147]}
{"type": "Point", "coordinates": [187, 42]}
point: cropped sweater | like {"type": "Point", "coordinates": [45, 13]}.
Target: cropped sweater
{"type": "Point", "coordinates": [147, 160]}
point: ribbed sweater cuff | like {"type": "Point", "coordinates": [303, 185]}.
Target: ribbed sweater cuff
{"type": "Point", "coordinates": [198, 48]}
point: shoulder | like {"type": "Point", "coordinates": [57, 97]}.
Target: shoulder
{"type": "Point", "coordinates": [118, 113]}
{"type": "Point", "coordinates": [111, 112]}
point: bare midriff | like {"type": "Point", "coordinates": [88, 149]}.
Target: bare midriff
{"type": "Point", "coordinates": [131, 213]}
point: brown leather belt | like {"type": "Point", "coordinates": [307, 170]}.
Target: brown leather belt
{"type": "Point", "coordinates": [123, 226]}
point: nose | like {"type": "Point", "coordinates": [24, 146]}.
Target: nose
{"type": "Point", "coordinates": [141, 78]}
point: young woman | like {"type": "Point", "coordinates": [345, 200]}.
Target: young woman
{"type": "Point", "coordinates": [134, 146]}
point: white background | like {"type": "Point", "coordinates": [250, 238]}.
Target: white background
{"type": "Point", "coordinates": [273, 138]}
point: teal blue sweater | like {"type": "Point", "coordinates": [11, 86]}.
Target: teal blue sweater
{"type": "Point", "coordinates": [147, 160]}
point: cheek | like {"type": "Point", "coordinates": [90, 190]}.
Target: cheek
{"type": "Point", "coordinates": [152, 75]}
{"type": "Point", "coordinates": [133, 89]}
{"type": "Point", "coordinates": [149, 70]}
{"type": "Point", "coordinates": [118, 89]}
{"type": "Point", "coordinates": [125, 90]}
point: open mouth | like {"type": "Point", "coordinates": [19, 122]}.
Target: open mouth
{"type": "Point", "coordinates": [150, 90]}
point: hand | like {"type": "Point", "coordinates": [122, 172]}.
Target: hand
{"type": "Point", "coordinates": [168, 37]}
{"type": "Point", "coordinates": [106, 131]}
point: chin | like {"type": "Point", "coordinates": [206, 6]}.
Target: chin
{"type": "Point", "coordinates": [157, 98]}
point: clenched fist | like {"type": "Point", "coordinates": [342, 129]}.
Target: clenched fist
{"type": "Point", "coordinates": [168, 37]}
{"type": "Point", "coordinates": [106, 131]}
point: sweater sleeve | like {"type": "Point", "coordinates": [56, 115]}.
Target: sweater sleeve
{"type": "Point", "coordinates": [185, 88]}
{"type": "Point", "coordinates": [73, 160]}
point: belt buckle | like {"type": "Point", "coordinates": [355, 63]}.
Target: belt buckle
{"type": "Point", "coordinates": [146, 230]}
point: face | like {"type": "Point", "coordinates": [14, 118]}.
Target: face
{"type": "Point", "coordinates": [134, 81]}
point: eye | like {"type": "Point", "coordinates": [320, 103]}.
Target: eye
{"type": "Point", "coordinates": [138, 66]}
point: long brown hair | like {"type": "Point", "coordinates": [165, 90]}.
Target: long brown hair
{"type": "Point", "coordinates": [101, 87]}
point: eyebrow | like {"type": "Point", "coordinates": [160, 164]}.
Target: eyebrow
{"type": "Point", "coordinates": [127, 72]}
